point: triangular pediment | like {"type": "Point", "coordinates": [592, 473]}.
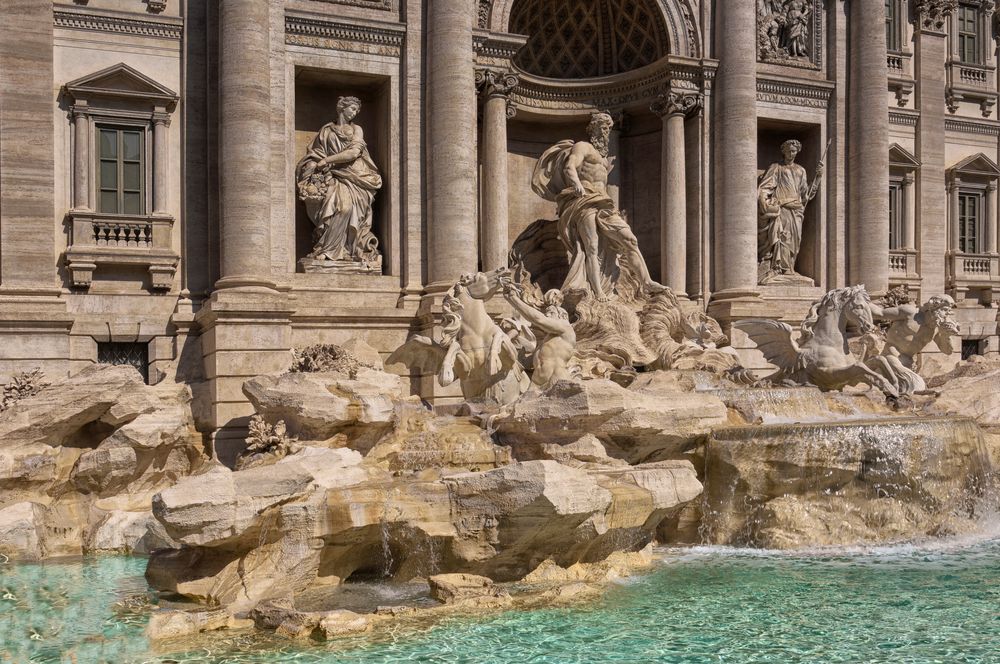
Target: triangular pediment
{"type": "Point", "coordinates": [900, 157]}
{"type": "Point", "coordinates": [977, 164]}
{"type": "Point", "coordinates": [120, 81]}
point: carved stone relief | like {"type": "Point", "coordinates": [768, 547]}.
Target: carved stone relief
{"type": "Point", "coordinates": [933, 14]}
{"type": "Point", "coordinates": [786, 32]}
{"type": "Point", "coordinates": [337, 180]}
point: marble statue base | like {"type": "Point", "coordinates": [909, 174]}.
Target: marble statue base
{"type": "Point", "coordinates": [321, 266]}
{"type": "Point", "coordinates": [766, 277]}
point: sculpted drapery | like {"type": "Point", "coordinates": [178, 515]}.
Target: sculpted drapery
{"type": "Point", "coordinates": [782, 196]}
{"type": "Point", "coordinates": [337, 181]}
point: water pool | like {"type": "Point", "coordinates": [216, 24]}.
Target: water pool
{"type": "Point", "coordinates": [934, 603]}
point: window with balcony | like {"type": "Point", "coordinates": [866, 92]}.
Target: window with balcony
{"type": "Point", "coordinates": [121, 198]}
{"type": "Point", "coordinates": [970, 219]}
{"type": "Point", "coordinates": [968, 35]}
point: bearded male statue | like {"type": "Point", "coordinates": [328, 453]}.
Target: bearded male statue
{"type": "Point", "coordinates": [594, 232]}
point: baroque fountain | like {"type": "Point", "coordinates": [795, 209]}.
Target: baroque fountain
{"type": "Point", "coordinates": [600, 414]}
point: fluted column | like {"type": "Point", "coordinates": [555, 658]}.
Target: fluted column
{"type": "Point", "coordinates": [451, 141]}
{"type": "Point", "coordinates": [909, 211]}
{"type": "Point", "coordinates": [244, 171]}
{"type": "Point", "coordinates": [672, 109]}
{"type": "Point", "coordinates": [495, 89]}
{"type": "Point", "coordinates": [736, 149]}
{"type": "Point", "coordinates": [161, 154]}
{"type": "Point", "coordinates": [81, 161]}
{"type": "Point", "coordinates": [868, 262]}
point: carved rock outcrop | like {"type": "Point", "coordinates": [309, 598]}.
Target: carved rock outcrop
{"type": "Point", "coordinates": [81, 458]}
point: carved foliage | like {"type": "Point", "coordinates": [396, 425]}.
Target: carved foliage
{"type": "Point", "coordinates": [676, 103]}
{"type": "Point", "coordinates": [933, 14]}
{"type": "Point", "coordinates": [22, 386]}
{"type": "Point", "coordinates": [327, 357]}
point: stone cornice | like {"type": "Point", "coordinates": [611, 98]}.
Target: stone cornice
{"type": "Point", "coordinates": [386, 5]}
{"type": "Point", "coordinates": [322, 31]}
{"type": "Point", "coordinates": [982, 127]}
{"type": "Point", "coordinates": [496, 45]}
{"type": "Point", "coordinates": [121, 23]}
{"type": "Point", "coordinates": [904, 118]}
{"type": "Point", "coordinates": [794, 93]}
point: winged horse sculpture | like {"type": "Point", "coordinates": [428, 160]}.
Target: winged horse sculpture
{"type": "Point", "coordinates": [820, 356]}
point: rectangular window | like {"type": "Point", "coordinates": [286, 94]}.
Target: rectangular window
{"type": "Point", "coordinates": [127, 353]}
{"type": "Point", "coordinates": [892, 37]}
{"type": "Point", "coordinates": [896, 215]}
{"type": "Point", "coordinates": [971, 347]}
{"type": "Point", "coordinates": [970, 214]}
{"type": "Point", "coordinates": [968, 34]}
{"type": "Point", "coordinates": [121, 173]}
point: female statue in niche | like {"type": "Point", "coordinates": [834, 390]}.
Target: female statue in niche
{"type": "Point", "coordinates": [782, 196]}
{"type": "Point", "coordinates": [337, 181]}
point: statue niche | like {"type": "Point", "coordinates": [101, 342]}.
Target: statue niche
{"type": "Point", "coordinates": [782, 196]}
{"type": "Point", "coordinates": [337, 180]}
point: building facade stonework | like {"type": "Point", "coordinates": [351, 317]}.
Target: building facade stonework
{"type": "Point", "coordinates": [155, 210]}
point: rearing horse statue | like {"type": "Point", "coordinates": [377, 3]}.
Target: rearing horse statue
{"type": "Point", "coordinates": [472, 348]}
{"type": "Point", "coordinates": [821, 356]}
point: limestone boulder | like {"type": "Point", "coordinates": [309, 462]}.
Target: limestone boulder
{"type": "Point", "coordinates": [20, 525]}
{"type": "Point", "coordinates": [335, 624]}
{"type": "Point", "coordinates": [653, 419]}
{"type": "Point", "coordinates": [972, 390]}
{"type": "Point", "coordinates": [318, 406]}
{"type": "Point", "coordinates": [89, 451]}
{"type": "Point", "coordinates": [842, 483]}
{"type": "Point", "coordinates": [451, 588]}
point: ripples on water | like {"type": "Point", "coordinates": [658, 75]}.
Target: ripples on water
{"type": "Point", "coordinates": [933, 603]}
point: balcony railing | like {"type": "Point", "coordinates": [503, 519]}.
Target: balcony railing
{"type": "Point", "coordinates": [972, 272]}
{"type": "Point", "coordinates": [122, 241]}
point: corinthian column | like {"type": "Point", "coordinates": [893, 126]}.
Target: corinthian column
{"type": "Point", "coordinates": [244, 171]}
{"type": "Point", "coordinates": [868, 230]}
{"type": "Point", "coordinates": [451, 140]}
{"type": "Point", "coordinates": [495, 89]}
{"type": "Point", "coordinates": [672, 109]}
{"type": "Point", "coordinates": [736, 149]}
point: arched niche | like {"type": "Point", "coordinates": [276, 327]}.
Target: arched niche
{"type": "Point", "coordinates": [680, 20]}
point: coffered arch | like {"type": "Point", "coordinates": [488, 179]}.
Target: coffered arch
{"type": "Point", "coordinates": [675, 20]}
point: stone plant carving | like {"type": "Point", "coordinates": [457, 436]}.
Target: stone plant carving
{"type": "Point", "coordinates": [821, 357]}
{"type": "Point", "coordinates": [910, 330]}
{"type": "Point", "coordinates": [594, 232]}
{"type": "Point", "coordinates": [266, 443]}
{"type": "Point", "coordinates": [472, 349]}
{"type": "Point", "coordinates": [22, 386]}
{"type": "Point", "coordinates": [337, 181]}
{"type": "Point", "coordinates": [784, 29]}
{"type": "Point", "coordinates": [327, 357]}
{"type": "Point", "coordinates": [782, 196]}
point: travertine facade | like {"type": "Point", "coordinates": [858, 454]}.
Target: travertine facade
{"type": "Point", "coordinates": [149, 199]}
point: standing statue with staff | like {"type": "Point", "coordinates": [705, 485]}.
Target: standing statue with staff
{"type": "Point", "coordinates": [782, 196]}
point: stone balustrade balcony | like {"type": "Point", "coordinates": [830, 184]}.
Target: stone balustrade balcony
{"type": "Point", "coordinates": [973, 83]}
{"type": "Point", "coordinates": [903, 268]}
{"type": "Point", "coordinates": [973, 272]}
{"type": "Point", "coordinates": [901, 82]}
{"type": "Point", "coordinates": [123, 241]}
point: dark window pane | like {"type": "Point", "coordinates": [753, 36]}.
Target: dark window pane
{"type": "Point", "coordinates": [109, 202]}
{"type": "Point", "coordinates": [109, 175]}
{"type": "Point", "coordinates": [133, 203]}
{"type": "Point", "coordinates": [131, 145]}
{"type": "Point", "coordinates": [109, 144]}
{"type": "Point", "coordinates": [131, 177]}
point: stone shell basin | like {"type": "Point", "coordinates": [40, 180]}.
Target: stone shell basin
{"type": "Point", "coordinates": [853, 482]}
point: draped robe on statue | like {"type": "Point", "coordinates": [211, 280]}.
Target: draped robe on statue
{"type": "Point", "coordinates": [550, 182]}
{"type": "Point", "coordinates": [782, 196]}
{"type": "Point", "coordinates": [342, 215]}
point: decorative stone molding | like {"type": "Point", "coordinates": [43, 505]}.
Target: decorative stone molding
{"type": "Point", "coordinates": [793, 93]}
{"type": "Point", "coordinates": [495, 84]}
{"type": "Point", "coordinates": [674, 103]}
{"type": "Point", "coordinates": [484, 13]}
{"type": "Point", "coordinates": [165, 27]}
{"type": "Point", "coordinates": [981, 127]}
{"type": "Point", "coordinates": [371, 37]}
{"type": "Point", "coordinates": [156, 6]}
{"type": "Point", "coordinates": [933, 14]}
{"type": "Point", "coordinates": [384, 5]}
{"type": "Point", "coordinates": [904, 119]}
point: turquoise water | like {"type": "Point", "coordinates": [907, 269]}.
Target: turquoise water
{"type": "Point", "coordinates": [937, 603]}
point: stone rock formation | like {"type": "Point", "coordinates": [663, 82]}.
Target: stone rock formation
{"type": "Point", "coordinates": [399, 495]}
{"type": "Point", "coordinates": [81, 458]}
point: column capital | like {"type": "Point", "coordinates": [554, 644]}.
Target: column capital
{"type": "Point", "coordinates": [931, 15]}
{"type": "Point", "coordinates": [991, 186]}
{"type": "Point", "coordinates": [676, 103]}
{"type": "Point", "coordinates": [492, 83]}
{"type": "Point", "coordinates": [909, 178]}
{"type": "Point", "coordinates": [161, 119]}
